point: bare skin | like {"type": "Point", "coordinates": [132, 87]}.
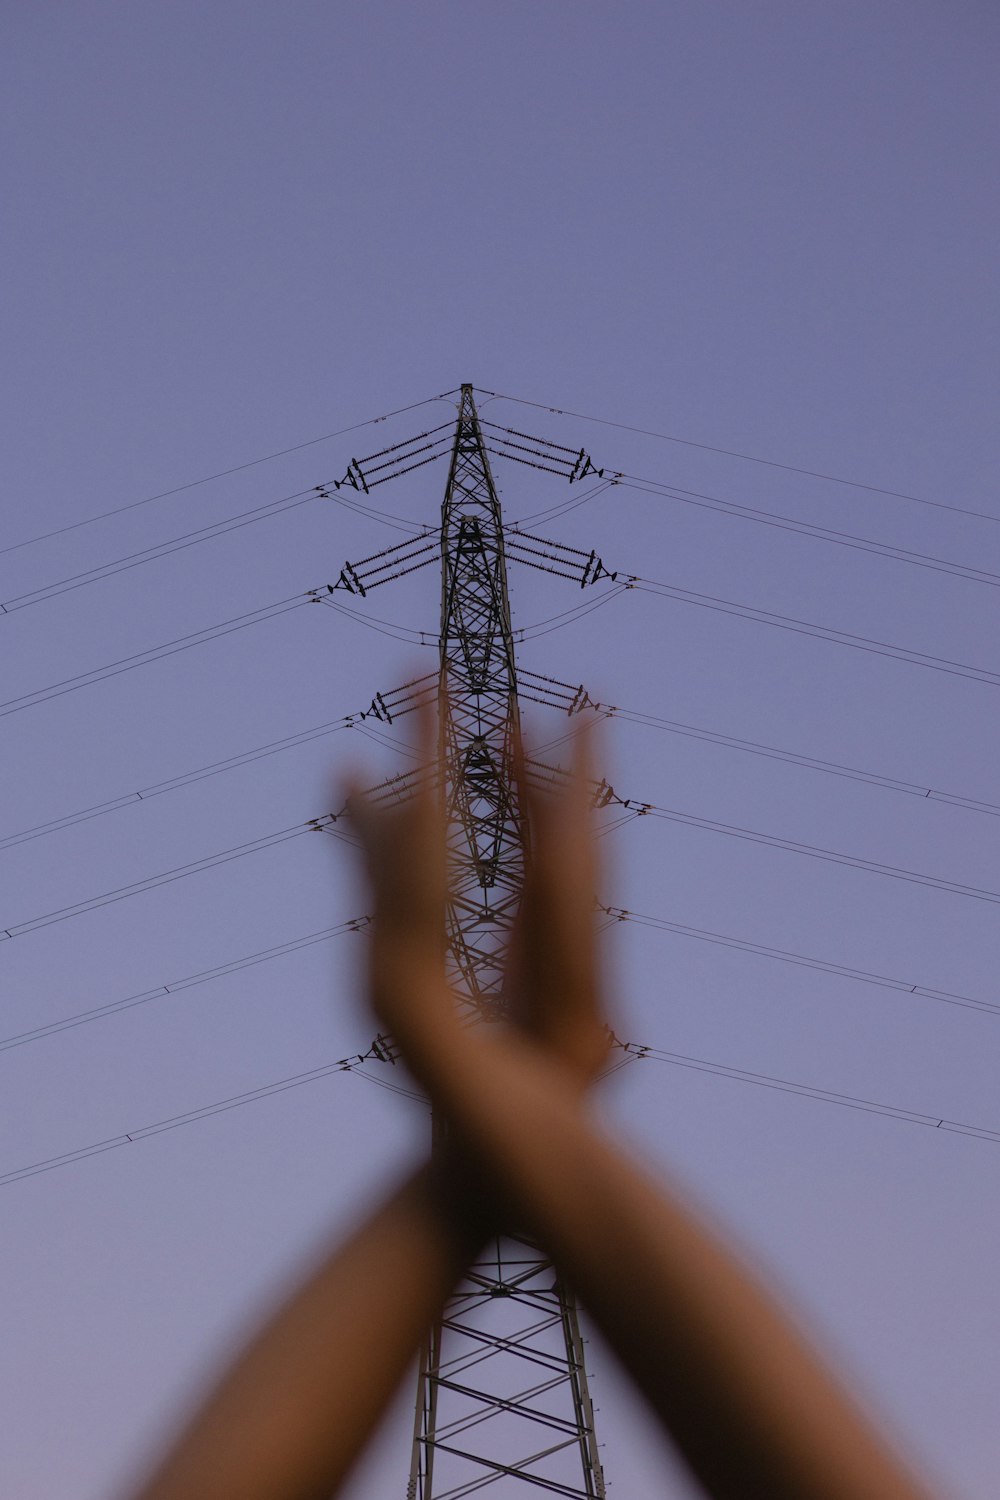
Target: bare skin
{"type": "Point", "coordinates": [747, 1402]}
{"type": "Point", "coordinates": [292, 1415]}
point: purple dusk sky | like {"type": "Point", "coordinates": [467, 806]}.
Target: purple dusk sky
{"type": "Point", "coordinates": [231, 229]}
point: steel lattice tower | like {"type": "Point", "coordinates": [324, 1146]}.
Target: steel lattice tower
{"type": "Point", "coordinates": [502, 1397]}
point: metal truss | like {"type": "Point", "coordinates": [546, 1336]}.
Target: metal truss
{"type": "Point", "coordinates": [502, 1400]}
{"type": "Point", "coordinates": [502, 1397]}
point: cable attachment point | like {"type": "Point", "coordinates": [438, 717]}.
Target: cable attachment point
{"type": "Point", "coordinates": [378, 709]}
{"type": "Point", "coordinates": [556, 557]}
{"type": "Point", "coordinates": [354, 477]}
{"type": "Point", "coordinates": [323, 824]}
{"type": "Point", "coordinates": [348, 580]}
{"type": "Point", "coordinates": [595, 570]}
{"type": "Point", "coordinates": [384, 1049]}
{"type": "Point", "coordinates": [583, 467]}
{"type": "Point", "coordinates": [582, 700]}
{"type": "Point", "coordinates": [604, 793]}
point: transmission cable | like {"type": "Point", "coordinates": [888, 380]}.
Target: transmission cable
{"type": "Point", "coordinates": [187, 778]}
{"type": "Point", "coordinates": [180, 872]}
{"type": "Point", "coordinates": [808, 1091]}
{"type": "Point", "coordinates": [817, 632]}
{"type": "Point", "coordinates": [155, 653]}
{"type": "Point", "coordinates": [115, 1007]}
{"type": "Point", "coordinates": [791, 757]}
{"type": "Point", "coordinates": [800, 960]}
{"type": "Point", "coordinates": [160, 549]}
{"type": "Point", "coordinates": [126, 1138]}
{"type": "Point", "coordinates": [808, 529]}
{"type": "Point", "coordinates": [770, 463]}
{"type": "Point", "coordinates": [812, 851]}
{"type": "Point", "coordinates": [605, 710]}
{"type": "Point", "coordinates": [413, 637]}
{"type": "Point", "coordinates": [356, 1063]}
{"type": "Point", "coordinates": [567, 616]}
{"type": "Point", "coordinates": [405, 633]}
{"type": "Point", "coordinates": [225, 473]}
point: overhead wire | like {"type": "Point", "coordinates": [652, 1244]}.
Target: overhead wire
{"type": "Point", "coordinates": [808, 529]}
{"type": "Point", "coordinates": [318, 492]}
{"type": "Point", "coordinates": [154, 653]}
{"type": "Point", "coordinates": [567, 616]}
{"type": "Point", "coordinates": [387, 518]}
{"type": "Point", "coordinates": [356, 1063]}
{"type": "Point", "coordinates": [799, 960]}
{"type": "Point", "coordinates": [160, 549]}
{"type": "Point", "coordinates": [174, 986]}
{"type": "Point", "coordinates": [812, 851]}
{"type": "Point", "coordinates": [817, 632]}
{"type": "Point", "coordinates": [415, 637]}
{"type": "Point", "coordinates": [166, 877]}
{"type": "Point", "coordinates": [665, 490]}
{"type": "Point", "coordinates": [225, 473]}
{"type": "Point", "coordinates": [632, 716]}
{"type": "Point", "coordinates": [381, 626]}
{"type": "Point", "coordinates": [770, 463]}
{"type": "Point", "coordinates": [174, 783]}
{"type": "Point", "coordinates": [646, 809]}
{"type": "Point", "coordinates": [809, 1091]}
{"type": "Point", "coordinates": [808, 762]}
{"type": "Point", "coordinates": [173, 1122]}
{"type": "Point", "coordinates": [564, 506]}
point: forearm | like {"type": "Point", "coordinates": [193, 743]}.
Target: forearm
{"type": "Point", "coordinates": [748, 1403]}
{"type": "Point", "coordinates": [288, 1420]}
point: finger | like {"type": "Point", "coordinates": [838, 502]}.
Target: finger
{"type": "Point", "coordinates": [551, 971]}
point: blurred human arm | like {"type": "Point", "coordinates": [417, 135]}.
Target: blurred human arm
{"type": "Point", "coordinates": [289, 1418]}
{"type": "Point", "coordinates": [291, 1415]}
{"type": "Point", "coordinates": [746, 1400]}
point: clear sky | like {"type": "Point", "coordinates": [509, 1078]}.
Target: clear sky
{"type": "Point", "coordinates": [234, 228]}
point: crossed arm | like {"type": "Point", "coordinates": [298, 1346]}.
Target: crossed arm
{"type": "Point", "coordinates": [746, 1401]}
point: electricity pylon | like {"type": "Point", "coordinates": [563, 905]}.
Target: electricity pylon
{"type": "Point", "coordinates": [502, 1396]}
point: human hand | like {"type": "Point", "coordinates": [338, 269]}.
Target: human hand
{"type": "Point", "coordinates": [552, 983]}
{"type": "Point", "coordinates": [551, 987]}
{"type": "Point", "coordinates": [404, 854]}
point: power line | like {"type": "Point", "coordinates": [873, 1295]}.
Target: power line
{"type": "Point", "coordinates": [808, 762]}
{"type": "Point", "coordinates": [155, 653]}
{"type": "Point", "coordinates": [115, 1007]}
{"type": "Point", "coordinates": [355, 1063]}
{"type": "Point", "coordinates": [770, 463]}
{"type": "Point", "coordinates": [567, 616]}
{"type": "Point", "coordinates": [808, 1091]}
{"type": "Point", "coordinates": [145, 794]}
{"type": "Point", "coordinates": [618, 478]}
{"type": "Point", "coordinates": [813, 851]}
{"type": "Point", "coordinates": [223, 473]}
{"type": "Point", "coordinates": [806, 528]}
{"type": "Point", "coordinates": [801, 960]}
{"type": "Point", "coordinates": [414, 637]}
{"type": "Point", "coordinates": [406, 633]}
{"type": "Point", "coordinates": [173, 1122]}
{"type": "Point", "coordinates": [631, 716]}
{"type": "Point", "coordinates": [161, 549]}
{"type": "Point", "coordinates": [818, 632]}
{"type": "Point", "coordinates": [564, 506]}
{"type": "Point", "coordinates": [180, 872]}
